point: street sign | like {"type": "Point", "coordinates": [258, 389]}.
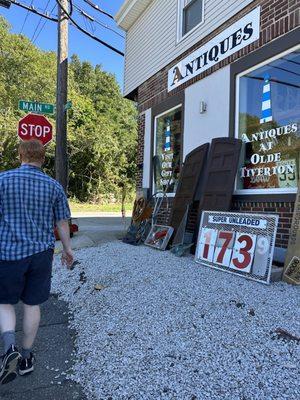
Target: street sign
{"type": "Point", "coordinates": [38, 108]}
{"type": "Point", "coordinates": [69, 105]}
{"type": "Point", "coordinates": [35, 126]}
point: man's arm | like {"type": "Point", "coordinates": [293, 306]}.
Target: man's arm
{"type": "Point", "coordinates": [64, 235]}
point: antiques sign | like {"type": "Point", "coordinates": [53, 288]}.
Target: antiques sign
{"type": "Point", "coordinates": [236, 37]}
{"type": "Point", "coordinates": [292, 262]}
{"type": "Point", "coordinates": [238, 243]}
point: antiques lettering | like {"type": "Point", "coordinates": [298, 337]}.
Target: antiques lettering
{"type": "Point", "coordinates": [236, 37]}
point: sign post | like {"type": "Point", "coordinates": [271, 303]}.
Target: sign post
{"type": "Point", "coordinates": [34, 126]}
{"type": "Point", "coordinates": [36, 107]}
{"type": "Point", "coordinates": [292, 262]}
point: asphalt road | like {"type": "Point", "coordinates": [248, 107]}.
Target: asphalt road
{"type": "Point", "coordinates": [53, 348]}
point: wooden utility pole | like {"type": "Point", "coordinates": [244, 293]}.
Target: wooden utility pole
{"type": "Point", "coordinates": [61, 154]}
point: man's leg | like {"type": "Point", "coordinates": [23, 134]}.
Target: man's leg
{"type": "Point", "coordinates": [10, 360]}
{"type": "Point", "coordinates": [12, 280]}
{"type": "Point", "coordinates": [8, 325]}
{"type": "Point", "coordinates": [31, 322]}
{"type": "Point", "coordinates": [36, 292]}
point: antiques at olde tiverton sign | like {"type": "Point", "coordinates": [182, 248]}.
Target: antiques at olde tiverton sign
{"type": "Point", "coordinates": [238, 243]}
{"type": "Point", "coordinates": [268, 122]}
{"type": "Point", "coordinates": [292, 262]}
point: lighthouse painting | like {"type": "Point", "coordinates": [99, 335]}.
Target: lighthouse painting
{"type": "Point", "coordinates": [266, 109]}
{"type": "Point", "coordinates": [167, 145]}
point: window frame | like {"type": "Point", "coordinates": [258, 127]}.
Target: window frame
{"type": "Point", "coordinates": [180, 105]}
{"type": "Point", "coordinates": [180, 14]}
{"type": "Point", "coordinates": [270, 191]}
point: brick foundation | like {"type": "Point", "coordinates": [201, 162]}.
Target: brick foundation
{"type": "Point", "coordinates": [283, 209]}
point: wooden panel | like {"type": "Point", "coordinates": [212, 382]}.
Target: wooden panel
{"type": "Point", "coordinates": [216, 192]}
{"type": "Point", "coordinates": [189, 180]}
{"type": "Point", "coordinates": [221, 173]}
{"type": "Point", "coordinates": [292, 262]}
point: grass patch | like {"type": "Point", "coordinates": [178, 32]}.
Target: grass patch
{"type": "Point", "coordinates": [87, 207]}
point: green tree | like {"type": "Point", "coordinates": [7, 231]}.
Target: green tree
{"type": "Point", "coordinates": [102, 125]}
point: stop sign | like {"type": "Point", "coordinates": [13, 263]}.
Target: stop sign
{"type": "Point", "coordinates": [35, 126]}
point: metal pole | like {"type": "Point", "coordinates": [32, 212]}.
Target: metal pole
{"type": "Point", "coordinates": [61, 155]}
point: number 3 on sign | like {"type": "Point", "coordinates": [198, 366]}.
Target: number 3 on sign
{"type": "Point", "coordinates": [207, 243]}
{"type": "Point", "coordinates": [243, 252]}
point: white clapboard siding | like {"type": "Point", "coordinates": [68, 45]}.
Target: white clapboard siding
{"type": "Point", "coordinates": [151, 41]}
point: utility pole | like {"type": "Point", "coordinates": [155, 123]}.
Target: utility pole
{"type": "Point", "coordinates": [61, 154]}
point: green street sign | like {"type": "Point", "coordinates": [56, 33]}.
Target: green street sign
{"type": "Point", "coordinates": [35, 107]}
{"type": "Point", "coordinates": [68, 106]}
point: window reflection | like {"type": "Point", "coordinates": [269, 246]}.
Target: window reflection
{"type": "Point", "coordinates": [269, 125]}
{"type": "Point", "coordinates": [168, 139]}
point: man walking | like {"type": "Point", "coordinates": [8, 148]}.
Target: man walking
{"type": "Point", "coordinates": [31, 203]}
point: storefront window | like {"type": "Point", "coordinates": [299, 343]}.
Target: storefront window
{"type": "Point", "coordinates": [167, 157]}
{"type": "Point", "coordinates": [269, 125]}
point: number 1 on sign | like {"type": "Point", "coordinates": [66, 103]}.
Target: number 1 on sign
{"type": "Point", "coordinates": [207, 244]}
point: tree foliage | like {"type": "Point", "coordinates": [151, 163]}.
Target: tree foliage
{"type": "Point", "coordinates": [102, 125]}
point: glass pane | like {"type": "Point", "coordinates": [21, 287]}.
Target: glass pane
{"type": "Point", "coordinates": [192, 15]}
{"type": "Point", "coordinates": [269, 125]}
{"type": "Point", "coordinates": [168, 151]}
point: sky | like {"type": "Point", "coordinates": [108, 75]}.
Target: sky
{"type": "Point", "coordinates": [86, 48]}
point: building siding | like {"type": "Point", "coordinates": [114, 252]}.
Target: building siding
{"type": "Point", "coordinates": [155, 89]}
{"type": "Point", "coordinates": [152, 40]}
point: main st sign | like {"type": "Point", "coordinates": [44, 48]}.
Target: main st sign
{"type": "Point", "coordinates": [34, 126]}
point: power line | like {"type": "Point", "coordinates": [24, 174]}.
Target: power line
{"type": "Point", "coordinates": [43, 26]}
{"type": "Point", "coordinates": [26, 17]}
{"type": "Point", "coordinates": [34, 10]}
{"type": "Point", "coordinates": [88, 33]}
{"type": "Point", "coordinates": [39, 23]}
{"type": "Point", "coordinates": [96, 7]}
{"type": "Point", "coordinates": [49, 17]}
{"type": "Point", "coordinates": [92, 19]}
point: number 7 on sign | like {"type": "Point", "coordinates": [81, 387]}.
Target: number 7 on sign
{"type": "Point", "coordinates": [224, 247]}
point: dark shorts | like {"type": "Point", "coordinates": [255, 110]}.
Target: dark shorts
{"type": "Point", "coordinates": [28, 280]}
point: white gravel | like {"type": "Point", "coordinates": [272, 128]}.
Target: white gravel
{"type": "Point", "coordinates": [167, 328]}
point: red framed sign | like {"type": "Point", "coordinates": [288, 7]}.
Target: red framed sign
{"type": "Point", "coordinates": [238, 243]}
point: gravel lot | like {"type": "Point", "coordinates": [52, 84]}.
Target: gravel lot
{"type": "Point", "coordinates": [163, 327]}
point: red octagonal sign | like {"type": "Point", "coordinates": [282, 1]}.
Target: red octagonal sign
{"type": "Point", "coordinates": [35, 126]}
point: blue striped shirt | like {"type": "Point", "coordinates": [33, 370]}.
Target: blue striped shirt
{"type": "Point", "coordinates": [31, 203]}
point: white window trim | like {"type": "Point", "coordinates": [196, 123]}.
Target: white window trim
{"type": "Point", "coordinates": [180, 36]}
{"type": "Point", "coordinates": [154, 145]}
{"type": "Point", "coordinates": [237, 98]}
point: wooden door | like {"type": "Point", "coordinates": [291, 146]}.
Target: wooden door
{"type": "Point", "coordinates": [189, 181]}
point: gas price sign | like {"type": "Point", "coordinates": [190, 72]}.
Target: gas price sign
{"type": "Point", "coordinates": [238, 243]}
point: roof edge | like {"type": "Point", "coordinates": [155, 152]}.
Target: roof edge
{"type": "Point", "coordinates": [130, 12]}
